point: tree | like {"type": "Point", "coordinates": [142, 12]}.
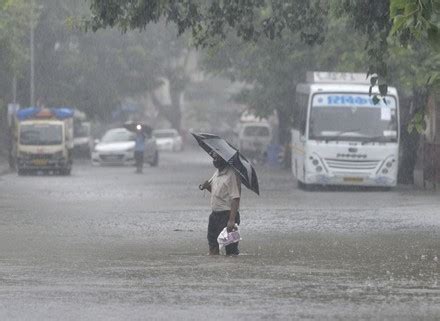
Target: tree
{"type": "Point", "coordinates": [405, 52]}
{"type": "Point", "coordinates": [96, 71]}
{"type": "Point", "coordinates": [402, 20]}
{"type": "Point", "coordinates": [92, 72]}
{"type": "Point", "coordinates": [14, 47]}
{"type": "Point", "coordinates": [210, 19]}
{"type": "Point", "coordinates": [171, 56]}
{"type": "Point", "coordinates": [252, 19]}
{"type": "Point", "coordinates": [14, 31]}
{"type": "Point", "coordinates": [273, 68]}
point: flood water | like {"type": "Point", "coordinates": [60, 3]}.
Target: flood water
{"type": "Point", "coordinates": [109, 244]}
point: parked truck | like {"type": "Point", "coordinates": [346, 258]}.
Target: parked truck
{"type": "Point", "coordinates": [43, 140]}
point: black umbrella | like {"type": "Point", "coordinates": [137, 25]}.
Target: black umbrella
{"type": "Point", "coordinates": [230, 154]}
{"type": "Point", "coordinates": [136, 126]}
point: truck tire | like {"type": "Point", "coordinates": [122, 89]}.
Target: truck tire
{"type": "Point", "coordinates": [66, 171]}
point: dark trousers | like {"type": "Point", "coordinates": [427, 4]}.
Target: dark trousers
{"type": "Point", "coordinates": [139, 159]}
{"type": "Point", "coordinates": [217, 222]}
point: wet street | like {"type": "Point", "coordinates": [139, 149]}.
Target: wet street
{"type": "Point", "coordinates": [109, 244]}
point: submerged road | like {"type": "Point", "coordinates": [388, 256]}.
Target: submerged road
{"type": "Point", "coordinates": [109, 244]}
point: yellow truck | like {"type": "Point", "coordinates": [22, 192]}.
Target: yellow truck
{"type": "Point", "coordinates": [43, 140]}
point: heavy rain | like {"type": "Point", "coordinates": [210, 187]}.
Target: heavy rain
{"type": "Point", "coordinates": [203, 160]}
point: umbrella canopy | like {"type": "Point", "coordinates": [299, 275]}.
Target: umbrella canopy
{"type": "Point", "coordinates": [244, 169]}
{"type": "Point", "coordinates": [133, 127]}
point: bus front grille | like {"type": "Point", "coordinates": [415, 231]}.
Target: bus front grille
{"type": "Point", "coordinates": [352, 164]}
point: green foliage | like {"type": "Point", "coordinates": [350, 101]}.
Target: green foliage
{"type": "Point", "coordinates": [405, 20]}
{"type": "Point", "coordinates": [273, 68]}
{"type": "Point", "coordinates": [401, 23]}
{"type": "Point", "coordinates": [14, 30]}
{"type": "Point", "coordinates": [416, 20]}
{"type": "Point", "coordinates": [417, 123]}
{"type": "Point", "coordinates": [93, 71]}
{"type": "Point", "coordinates": [369, 17]}
{"type": "Point", "coordinates": [208, 20]}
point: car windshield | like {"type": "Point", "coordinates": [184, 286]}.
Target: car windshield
{"type": "Point", "coordinates": [167, 134]}
{"type": "Point", "coordinates": [352, 117]}
{"type": "Point", "coordinates": [114, 136]}
{"type": "Point", "coordinates": [259, 131]}
{"type": "Point", "coordinates": [41, 134]}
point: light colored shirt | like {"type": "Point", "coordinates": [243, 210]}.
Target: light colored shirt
{"type": "Point", "coordinates": [225, 186]}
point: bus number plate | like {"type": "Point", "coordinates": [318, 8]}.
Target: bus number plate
{"type": "Point", "coordinates": [39, 162]}
{"type": "Point", "coordinates": [353, 179]}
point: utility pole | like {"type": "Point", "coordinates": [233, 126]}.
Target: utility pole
{"type": "Point", "coordinates": [32, 73]}
{"type": "Point", "coordinates": [14, 89]}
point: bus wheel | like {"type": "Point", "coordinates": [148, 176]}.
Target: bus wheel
{"type": "Point", "coordinates": [301, 185]}
{"type": "Point", "coordinates": [305, 187]}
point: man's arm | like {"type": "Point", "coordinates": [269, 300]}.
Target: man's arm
{"type": "Point", "coordinates": [235, 205]}
{"type": "Point", "coordinates": [206, 185]}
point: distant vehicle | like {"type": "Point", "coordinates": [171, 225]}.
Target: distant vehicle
{"type": "Point", "coordinates": [82, 134]}
{"type": "Point", "coordinates": [254, 139]}
{"type": "Point", "coordinates": [117, 148]}
{"type": "Point", "coordinates": [43, 140]}
{"type": "Point", "coordinates": [340, 136]}
{"type": "Point", "coordinates": [168, 139]}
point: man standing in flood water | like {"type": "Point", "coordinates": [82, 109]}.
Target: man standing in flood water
{"type": "Point", "coordinates": [225, 188]}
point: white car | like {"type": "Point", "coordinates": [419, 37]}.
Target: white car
{"type": "Point", "coordinates": [168, 139]}
{"type": "Point", "coordinates": [117, 148]}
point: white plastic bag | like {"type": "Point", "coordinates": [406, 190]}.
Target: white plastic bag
{"type": "Point", "coordinates": [225, 238]}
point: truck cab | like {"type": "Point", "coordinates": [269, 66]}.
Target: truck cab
{"type": "Point", "coordinates": [43, 140]}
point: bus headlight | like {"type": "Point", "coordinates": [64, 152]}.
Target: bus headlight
{"type": "Point", "coordinates": [388, 166]}
{"type": "Point", "coordinates": [316, 163]}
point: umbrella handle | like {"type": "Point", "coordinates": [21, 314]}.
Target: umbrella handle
{"type": "Point", "coordinates": [201, 187]}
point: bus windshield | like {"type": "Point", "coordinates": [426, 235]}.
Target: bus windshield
{"type": "Point", "coordinates": [41, 134]}
{"type": "Point", "coordinates": [353, 117]}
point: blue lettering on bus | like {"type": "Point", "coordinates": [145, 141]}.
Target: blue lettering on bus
{"type": "Point", "coordinates": [352, 101]}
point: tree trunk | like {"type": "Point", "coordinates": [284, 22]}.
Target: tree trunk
{"type": "Point", "coordinates": [176, 113]}
{"type": "Point", "coordinates": [284, 137]}
{"type": "Point", "coordinates": [172, 112]}
{"type": "Point", "coordinates": [409, 142]}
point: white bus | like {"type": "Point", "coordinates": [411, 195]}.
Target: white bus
{"type": "Point", "coordinates": [340, 137]}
